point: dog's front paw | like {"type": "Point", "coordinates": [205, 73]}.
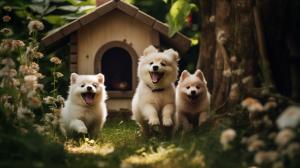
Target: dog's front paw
{"type": "Point", "coordinates": [153, 121]}
{"type": "Point", "coordinates": [187, 127]}
{"type": "Point", "coordinates": [167, 122]}
{"type": "Point", "coordinates": [82, 130]}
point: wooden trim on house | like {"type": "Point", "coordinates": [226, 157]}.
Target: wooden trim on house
{"type": "Point", "coordinates": [127, 8]}
{"type": "Point", "coordinates": [134, 59]}
{"type": "Point", "coordinates": [73, 52]}
{"type": "Point", "coordinates": [133, 11]}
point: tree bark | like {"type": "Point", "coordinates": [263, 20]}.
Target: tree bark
{"type": "Point", "coordinates": [228, 52]}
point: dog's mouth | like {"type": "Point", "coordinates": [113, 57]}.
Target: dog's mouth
{"type": "Point", "coordinates": [156, 76]}
{"type": "Point", "coordinates": [88, 97]}
{"type": "Point", "coordinates": [193, 97]}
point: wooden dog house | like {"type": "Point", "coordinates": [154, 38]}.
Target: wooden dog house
{"type": "Point", "coordinates": [110, 40]}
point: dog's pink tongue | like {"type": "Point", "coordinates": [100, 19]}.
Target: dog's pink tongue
{"type": "Point", "coordinates": [88, 98]}
{"type": "Point", "coordinates": [155, 77]}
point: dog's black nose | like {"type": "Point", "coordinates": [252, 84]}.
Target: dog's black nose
{"type": "Point", "coordinates": [193, 92]}
{"type": "Point", "coordinates": [155, 68]}
{"type": "Point", "coordinates": [89, 88]}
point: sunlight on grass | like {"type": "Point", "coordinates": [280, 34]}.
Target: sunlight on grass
{"type": "Point", "coordinates": [89, 147]}
{"type": "Point", "coordinates": [170, 156]}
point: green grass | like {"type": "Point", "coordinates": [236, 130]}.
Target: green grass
{"type": "Point", "coordinates": [121, 145]}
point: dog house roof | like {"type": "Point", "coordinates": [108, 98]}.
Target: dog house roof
{"type": "Point", "coordinates": [179, 41]}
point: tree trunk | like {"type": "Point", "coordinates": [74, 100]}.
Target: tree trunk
{"type": "Point", "coordinates": [228, 52]}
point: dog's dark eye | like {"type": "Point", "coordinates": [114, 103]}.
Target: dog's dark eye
{"type": "Point", "coordinates": [95, 85]}
{"type": "Point", "coordinates": [162, 64]}
{"type": "Point", "coordinates": [188, 87]}
{"type": "Point", "coordinates": [151, 63]}
{"type": "Point", "coordinates": [82, 85]}
{"type": "Point", "coordinates": [198, 87]}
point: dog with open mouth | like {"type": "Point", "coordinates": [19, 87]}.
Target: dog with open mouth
{"type": "Point", "coordinates": [84, 111]}
{"type": "Point", "coordinates": [192, 100]}
{"type": "Point", "coordinates": [153, 103]}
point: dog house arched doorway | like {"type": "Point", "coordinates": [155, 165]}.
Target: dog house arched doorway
{"type": "Point", "coordinates": [117, 61]}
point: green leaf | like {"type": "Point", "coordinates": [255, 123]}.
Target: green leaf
{"type": "Point", "coordinates": [68, 8]}
{"type": "Point", "coordinates": [55, 19]}
{"type": "Point", "coordinates": [177, 15]}
{"type": "Point", "coordinates": [37, 8]}
{"type": "Point", "coordinates": [51, 9]}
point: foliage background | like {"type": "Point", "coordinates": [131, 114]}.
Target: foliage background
{"type": "Point", "coordinates": [40, 144]}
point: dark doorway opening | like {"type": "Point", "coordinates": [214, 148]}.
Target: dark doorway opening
{"type": "Point", "coordinates": [117, 68]}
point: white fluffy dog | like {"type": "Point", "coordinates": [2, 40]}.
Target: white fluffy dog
{"type": "Point", "coordinates": [85, 109]}
{"type": "Point", "coordinates": [154, 99]}
{"type": "Point", "coordinates": [192, 100]}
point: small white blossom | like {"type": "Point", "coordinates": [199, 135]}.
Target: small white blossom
{"type": "Point", "coordinates": [252, 105]}
{"type": "Point", "coordinates": [227, 136]}
{"type": "Point", "coordinates": [227, 73]}
{"type": "Point", "coordinates": [55, 60]}
{"type": "Point", "coordinates": [284, 137]}
{"type": "Point", "coordinates": [35, 25]}
{"type": "Point", "coordinates": [263, 157]}
{"type": "Point", "coordinates": [255, 145]}
{"type": "Point", "coordinates": [49, 100]}
{"type": "Point", "coordinates": [289, 118]}
{"type": "Point", "coordinates": [8, 62]}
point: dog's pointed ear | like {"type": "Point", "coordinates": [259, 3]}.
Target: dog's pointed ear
{"type": "Point", "coordinates": [73, 78]}
{"type": "Point", "coordinates": [184, 75]}
{"type": "Point", "coordinates": [200, 75]}
{"type": "Point", "coordinates": [100, 78]}
{"type": "Point", "coordinates": [172, 54]}
{"type": "Point", "coordinates": [149, 50]}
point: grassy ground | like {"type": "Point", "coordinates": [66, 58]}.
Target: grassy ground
{"type": "Point", "coordinates": [121, 146]}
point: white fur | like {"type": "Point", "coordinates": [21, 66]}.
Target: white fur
{"type": "Point", "coordinates": [76, 115]}
{"type": "Point", "coordinates": [147, 105]}
{"type": "Point", "coordinates": [185, 105]}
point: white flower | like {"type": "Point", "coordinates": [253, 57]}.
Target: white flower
{"type": "Point", "coordinates": [247, 80]}
{"type": "Point", "coordinates": [5, 71]}
{"type": "Point", "coordinates": [34, 102]}
{"type": "Point", "coordinates": [18, 43]}
{"type": "Point", "coordinates": [34, 66]}
{"type": "Point", "coordinates": [227, 73]}
{"type": "Point", "coordinates": [55, 60]}
{"type": "Point", "coordinates": [60, 99]}
{"type": "Point", "coordinates": [30, 82]}
{"type": "Point", "coordinates": [6, 31]}
{"type": "Point", "coordinates": [24, 69]}
{"type": "Point", "coordinates": [212, 19]}
{"type": "Point", "coordinates": [59, 74]}
{"type": "Point", "coordinates": [6, 18]}
{"type": "Point", "coordinates": [255, 145]}
{"type": "Point", "coordinates": [227, 136]}
{"type": "Point", "coordinates": [252, 105]}
{"type": "Point", "coordinates": [30, 79]}
{"type": "Point", "coordinates": [222, 37]}
{"type": "Point", "coordinates": [38, 55]}
{"type": "Point", "coordinates": [24, 113]}
{"type": "Point", "coordinates": [12, 73]}
{"type": "Point", "coordinates": [39, 128]}
{"type": "Point", "coordinates": [49, 100]}
{"type": "Point", "coordinates": [265, 157]}
{"type": "Point", "coordinates": [284, 137]}
{"type": "Point", "coordinates": [35, 25]}
{"type": "Point", "coordinates": [270, 105]}
{"type": "Point", "coordinates": [238, 72]}
{"type": "Point", "coordinates": [8, 62]}
{"type": "Point", "coordinates": [233, 59]}
{"type": "Point", "coordinates": [289, 118]}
